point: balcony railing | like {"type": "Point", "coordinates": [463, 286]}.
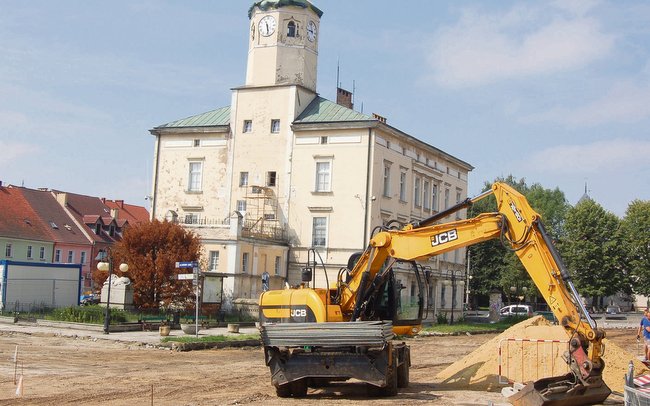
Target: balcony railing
{"type": "Point", "coordinates": [263, 229]}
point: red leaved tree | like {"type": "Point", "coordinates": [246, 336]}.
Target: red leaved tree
{"type": "Point", "coordinates": [151, 250]}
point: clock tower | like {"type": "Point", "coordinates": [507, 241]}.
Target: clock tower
{"type": "Point", "coordinates": [283, 43]}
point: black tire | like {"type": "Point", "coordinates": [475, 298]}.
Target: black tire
{"type": "Point", "coordinates": [403, 374]}
{"type": "Point", "coordinates": [283, 391]}
{"type": "Point", "coordinates": [389, 390]}
{"type": "Point", "coordinates": [299, 388]}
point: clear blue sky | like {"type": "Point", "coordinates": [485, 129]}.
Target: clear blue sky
{"type": "Point", "coordinates": [555, 92]}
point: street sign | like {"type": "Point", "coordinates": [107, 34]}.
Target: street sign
{"type": "Point", "coordinates": [185, 276]}
{"type": "Point", "coordinates": [187, 264]}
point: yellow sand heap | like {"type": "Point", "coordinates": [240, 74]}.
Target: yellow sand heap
{"type": "Point", "coordinates": [479, 370]}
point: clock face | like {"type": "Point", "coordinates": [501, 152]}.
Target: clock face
{"type": "Point", "coordinates": [311, 31]}
{"type": "Point", "coordinates": [267, 26]}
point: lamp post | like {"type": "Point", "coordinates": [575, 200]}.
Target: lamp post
{"type": "Point", "coordinates": [108, 266]}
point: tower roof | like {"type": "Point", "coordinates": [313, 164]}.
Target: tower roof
{"type": "Point", "coordinates": [265, 5]}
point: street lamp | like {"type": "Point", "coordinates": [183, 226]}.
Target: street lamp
{"type": "Point", "coordinates": [108, 266]}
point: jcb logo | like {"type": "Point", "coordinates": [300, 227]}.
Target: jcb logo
{"type": "Point", "coordinates": [298, 313]}
{"type": "Point", "coordinates": [515, 210]}
{"type": "Point", "coordinates": [443, 238]}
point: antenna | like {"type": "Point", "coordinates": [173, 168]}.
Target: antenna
{"type": "Point", "coordinates": [354, 88]}
{"type": "Point", "coordinates": [338, 72]}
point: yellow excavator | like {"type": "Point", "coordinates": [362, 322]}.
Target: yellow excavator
{"type": "Point", "coordinates": [313, 336]}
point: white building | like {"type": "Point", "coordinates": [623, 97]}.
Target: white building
{"type": "Point", "coordinates": [282, 170]}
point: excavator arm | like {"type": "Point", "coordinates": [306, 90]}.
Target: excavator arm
{"type": "Point", "coordinates": [521, 230]}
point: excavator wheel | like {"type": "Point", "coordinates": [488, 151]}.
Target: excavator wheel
{"type": "Point", "coordinates": [297, 389]}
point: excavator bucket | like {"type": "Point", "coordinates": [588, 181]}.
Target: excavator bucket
{"type": "Point", "coordinates": [561, 391]}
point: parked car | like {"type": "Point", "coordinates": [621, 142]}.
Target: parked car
{"type": "Point", "coordinates": [90, 299]}
{"type": "Point", "coordinates": [516, 310]}
{"type": "Point", "coordinates": [613, 310]}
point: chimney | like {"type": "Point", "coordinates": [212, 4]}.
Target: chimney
{"type": "Point", "coordinates": [114, 213]}
{"type": "Point", "coordinates": [120, 203]}
{"type": "Point", "coordinates": [62, 198]}
{"type": "Point", "coordinates": [344, 98]}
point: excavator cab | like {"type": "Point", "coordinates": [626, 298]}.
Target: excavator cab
{"type": "Point", "coordinates": [398, 295]}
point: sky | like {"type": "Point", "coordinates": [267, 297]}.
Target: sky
{"type": "Point", "coordinates": [555, 92]}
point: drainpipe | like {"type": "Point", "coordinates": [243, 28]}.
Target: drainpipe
{"type": "Point", "coordinates": [155, 179]}
{"type": "Point", "coordinates": [368, 198]}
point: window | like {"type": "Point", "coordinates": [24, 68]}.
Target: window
{"type": "Point", "coordinates": [244, 262]}
{"type": "Point", "coordinates": [98, 229]}
{"type": "Point", "coordinates": [275, 126]}
{"type": "Point", "coordinates": [41, 254]}
{"type": "Point", "coordinates": [191, 218]}
{"type": "Point", "coordinates": [270, 178]}
{"type": "Point", "coordinates": [276, 266]}
{"type": "Point", "coordinates": [434, 197]}
{"type": "Point", "coordinates": [241, 205]}
{"type": "Point", "coordinates": [57, 256]}
{"type": "Point", "coordinates": [243, 179]}
{"type": "Point", "coordinates": [197, 143]}
{"type": "Point", "coordinates": [386, 179]}
{"type": "Point", "coordinates": [214, 261]}
{"type": "Point", "coordinates": [323, 140]}
{"type": "Point", "coordinates": [291, 29]}
{"type": "Point", "coordinates": [83, 257]}
{"type": "Point", "coordinates": [426, 195]}
{"type": "Point", "coordinates": [443, 299]}
{"type": "Point", "coordinates": [457, 197]}
{"type": "Point", "coordinates": [446, 198]}
{"type": "Point", "coordinates": [111, 230]}
{"type": "Point", "coordinates": [194, 182]}
{"type": "Point", "coordinates": [248, 126]}
{"type": "Point", "coordinates": [29, 251]}
{"type": "Point", "coordinates": [319, 232]}
{"type": "Point", "coordinates": [70, 257]}
{"type": "Point", "coordinates": [417, 197]}
{"type": "Point", "coordinates": [402, 186]}
{"type": "Point", "coordinates": [323, 175]}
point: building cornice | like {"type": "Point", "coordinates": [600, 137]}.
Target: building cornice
{"type": "Point", "coordinates": [190, 130]}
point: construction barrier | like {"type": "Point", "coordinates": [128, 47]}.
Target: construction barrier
{"type": "Point", "coordinates": [529, 359]}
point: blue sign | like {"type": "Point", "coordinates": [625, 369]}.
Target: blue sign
{"type": "Point", "coordinates": [187, 264]}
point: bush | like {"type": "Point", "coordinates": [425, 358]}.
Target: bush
{"type": "Point", "coordinates": [87, 314]}
{"type": "Point", "coordinates": [441, 318]}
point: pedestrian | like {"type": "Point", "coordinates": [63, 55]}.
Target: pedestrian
{"type": "Point", "coordinates": [645, 327]}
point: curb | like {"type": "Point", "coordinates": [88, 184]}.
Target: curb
{"type": "Point", "coordinates": [182, 347]}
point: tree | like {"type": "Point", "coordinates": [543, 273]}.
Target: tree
{"type": "Point", "coordinates": [152, 250]}
{"type": "Point", "coordinates": [592, 251]}
{"type": "Point", "coordinates": [635, 233]}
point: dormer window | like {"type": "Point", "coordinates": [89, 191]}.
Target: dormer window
{"type": "Point", "coordinates": [111, 231]}
{"type": "Point", "coordinates": [291, 29]}
{"type": "Point", "coordinates": [98, 229]}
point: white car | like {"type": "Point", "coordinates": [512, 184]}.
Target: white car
{"type": "Point", "coordinates": [516, 310]}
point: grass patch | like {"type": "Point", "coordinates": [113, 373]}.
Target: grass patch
{"type": "Point", "coordinates": [211, 339]}
{"type": "Point", "coordinates": [472, 327]}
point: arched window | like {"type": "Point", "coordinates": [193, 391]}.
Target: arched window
{"type": "Point", "coordinates": [291, 29]}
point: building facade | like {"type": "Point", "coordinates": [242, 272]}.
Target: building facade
{"type": "Point", "coordinates": [283, 176]}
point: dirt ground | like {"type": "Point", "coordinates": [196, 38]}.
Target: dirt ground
{"type": "Point", "coordinates": [62, 371]}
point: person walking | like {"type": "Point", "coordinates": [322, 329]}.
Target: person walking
{"type": "Point", "coordinates": [645, 327]}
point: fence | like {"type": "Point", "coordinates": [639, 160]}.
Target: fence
{"type": "Point", "coordinates": [529, 359]}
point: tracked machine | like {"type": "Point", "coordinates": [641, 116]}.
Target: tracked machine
{"type": "Point", "coordinates": [313, 336]}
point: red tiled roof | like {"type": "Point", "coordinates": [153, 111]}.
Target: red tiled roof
{"type": "Point", "coordinates": [84, 207]}
{"type": "Point", "coordinates": [60, 226]}
{"type": "Point", "coordinates": [134, 214]}
{"type": "Point", "coordinates": [18, 219]}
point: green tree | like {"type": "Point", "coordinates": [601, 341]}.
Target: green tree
{"type": "Point", "coordinates": [592, 251]}
{"type": "Point", "coordinates": [635, 233]}
{"type": "Point", "coordinates": [152, 250]}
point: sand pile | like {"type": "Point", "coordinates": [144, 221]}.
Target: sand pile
{"type": "Point", "coordinates": [479, 370]}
